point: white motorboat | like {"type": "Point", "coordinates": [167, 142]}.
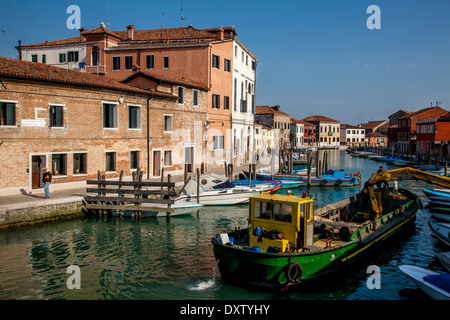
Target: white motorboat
{"type": "Point", "coordinates": [444, 258]}
{"type": "Point", "coordinates": [215, 190]}
{"type": "Point", "coordinates": [441, 216]}
{"type": "Point", "coordinates": [434, 284]}
{"type": "Point", "coordinates": [180, 207]}
{"type": "Point", "coordinates": [441, 230]}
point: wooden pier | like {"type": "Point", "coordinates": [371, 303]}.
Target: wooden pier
{"type": "Point", "coordinates": [129, 195]}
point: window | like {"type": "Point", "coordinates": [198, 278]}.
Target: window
{"type": "Point", "coordinates": [150, 61]}
{"type": "Point", "coordinates": [215, 61]}
{"type": "Point", "coordinates": [56, 116]}
{"type": "Point", "coordinates": [134, 117]}
{"type": "Point", "coordinates": [218, 142]}
{"type": "Point", "coordinates": [180, 95]}
{"type": "Point", "coordinates": [62, 57]}
{"type": "Point", "coordinates": [110, 161]}
{"type": "Point", "coordinates": [253, 65]}
{"type": "Point", "coordinates": [44, 58]}
{"type": "Point", "coordinates": [110, 115]}
{"type": "Point", "coordinates": [263, 210]}
{"type": "Point", "coordinates": [59, 164]}
{"type": "Point", "coordinates": [283, 212]}
{"type": "Point", "coordinates": [72, 56]}
{"type": "Point", "coordinates": [168, 158]}
{"type": "Point", "coordinates": [195, 97]}
{"type": "Point", "coordinates": [116, 63]}
{"type": "Point", "coordinates": [7, 114]}
{"type": "Point", "coordinates": [79, 163]}
{"type": "Point", "coordinates": [128, 62]}
{"type": "Point", "coordinates": [227, 65]}
{"type": "Point", "coordinates": [168, 123]}
{"type": "Point", "coordinates": [95, 56]}
{"type": "Point", "coordinates": [216, 101]}
{"type": "Point", "coordinates": [226, 102]}
{"type": "Point", "coordinates": [235, 94]}
{"type": "Point", "coordinates": [34, 58]}
{"type": "Point", "coordinates": [134, 159]}
{"type": "Point", "coordinates": [166, 62]}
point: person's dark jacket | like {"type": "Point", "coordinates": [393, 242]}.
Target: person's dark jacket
{"type": "Point", "coordinates": [47, 177]}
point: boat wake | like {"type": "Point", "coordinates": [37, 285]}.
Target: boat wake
{"type": "Point", "coordinates": [205, 284]}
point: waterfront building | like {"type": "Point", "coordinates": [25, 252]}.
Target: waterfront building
{"type": "Point", "coordinates": [433, 135]}
{"type": "Point", "coordinates": [376, 139]}
{"type": "Point", "coordinates": [352, 135]}
{"type": "Point", "coordinates": [327, 131]}
{"type": "Point", "coordinates": [303, 134]}
{"type": "Point", "coordinates": [212, 58]}
{"type": "Point", "coordinates": [77, 124]}
{"type": "Point", "coordinates": [407, 128]}
{"type": "Point", "coordinates": [263, 140]}
{"type": "Point", "coordinates": [278, 121]}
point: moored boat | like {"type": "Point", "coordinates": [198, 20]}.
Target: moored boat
{"type": "Point", "coordinates": [438, 196]}
{"type": "Point", "coordinates": [441, 230]}
{"type": "Point", "coordinates": [288, 242]}
{"type": "Point", "coordinates": [436, 285]}
{"type": "Point", "coordinates": [444, 258]}
{"type": "Point", "coordinates": [148, 209]}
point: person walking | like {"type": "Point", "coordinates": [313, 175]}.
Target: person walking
{"type": "Point", "coordinates": [46, 179]}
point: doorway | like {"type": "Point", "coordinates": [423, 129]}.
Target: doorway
{"type": "Point", "coordinates": [189, 158]}
{"type": "Point", "coordinates": [156, 163]}
{"type": "Point", "coordinates": [37, 163]}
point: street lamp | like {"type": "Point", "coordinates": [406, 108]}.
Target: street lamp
{"type": "Point", "coordinates": [5, 40]}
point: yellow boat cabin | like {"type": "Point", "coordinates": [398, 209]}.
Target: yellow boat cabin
{"type": "Point", "coordinates": [281, 223]}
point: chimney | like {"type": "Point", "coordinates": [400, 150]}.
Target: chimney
{"type": "Point", "coordinates": [20, 49]}
{"type": "Point", "coordinates": [220, 34]}
{"type": "Point", "coordinates": [277, 108]}
{"type": "Point", "coordinates": [83, 29]}
{"type": "Point", "coordinates": [130, 32]}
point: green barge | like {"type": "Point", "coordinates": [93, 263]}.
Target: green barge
{"type": "Point", "coordinates": [288, 242]}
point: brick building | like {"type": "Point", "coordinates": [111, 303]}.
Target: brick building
{"type": "Point", "coordinates": [278, 121]}
{"type": "Point", "coordinates": [211, 58]}
{"type": "Point", "coordinates": [76, 124]}
{"type": "Point", "coordinates": [433, 135]}
{"type": "Point", "coordinates": [407, 127]}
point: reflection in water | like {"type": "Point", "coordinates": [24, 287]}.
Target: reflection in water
{"type": "Point", "coordinates": [163, 259]}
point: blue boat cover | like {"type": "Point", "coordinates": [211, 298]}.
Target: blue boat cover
{"type": "Point", "coordinates": [441, 281]}
{"type": "Point", "coordinates": [225, 185]}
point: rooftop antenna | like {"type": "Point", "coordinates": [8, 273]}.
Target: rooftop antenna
{"type": "Point", "coordinates": [107, 11]}
{"type": "Point", "coordinates": [162, 24]}
{"type": "Point", "coordinates": [182, 18]}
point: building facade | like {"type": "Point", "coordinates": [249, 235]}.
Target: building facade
{"type": "Point", "coordinates": [211, 58]}
{"type": "Point", "coordinates": [433, 135]}
{"type": "Point", "coordinates": [77, 124]}
{"type": "Point", "coordinates": [327, 131]}
{"type": "Point", "coordinates": [352, 135]}
{"type": "Point", "coordinates": [278, 121]}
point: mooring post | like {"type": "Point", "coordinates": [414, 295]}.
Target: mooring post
{"type": "Point", "coordinates": [198, 186]}
{"type": "Point", "coordinates": [170, 197]}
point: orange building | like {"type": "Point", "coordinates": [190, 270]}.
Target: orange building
{"type": "Point", "coordinates": [203, 57]}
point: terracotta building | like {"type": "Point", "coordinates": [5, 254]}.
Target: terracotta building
{"type": "Point", "coordinates": [205, 57]}
{"type": "Point", "coordinates": [278, 121]}
{"type": "Point", "coordinates": [76, 124]}
{"type": "Point", "coordinates": [433, 135]}
{"type": "Point", "coordinates": [407, 127]}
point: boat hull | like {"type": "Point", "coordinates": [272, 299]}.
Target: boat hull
{"type": "Point", "coordinates": [222, 197]}
{"type": "Point", "coordinates": [418, 274]}
{"type": "Point", "coordinates": [179, 210]}
{"type": "Point", "coordinates": [274, 270]}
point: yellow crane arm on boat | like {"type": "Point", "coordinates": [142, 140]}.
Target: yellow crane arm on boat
{"type": "Point", "coordinates": [394, 174]}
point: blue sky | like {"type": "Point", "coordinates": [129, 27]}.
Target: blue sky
{"type": "Point", "coordinates": [315, 56]}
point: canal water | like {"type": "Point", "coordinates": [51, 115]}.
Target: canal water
{"type": "Point", "coordinates": [156, 259]}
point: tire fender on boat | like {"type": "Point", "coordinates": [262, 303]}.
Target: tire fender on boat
{"type": "Point", "coordinates": [338, 182]}
{"type": "Point", "coordinates": [294, 272]}
{"type": "Point", "coordinates": [323, 182]}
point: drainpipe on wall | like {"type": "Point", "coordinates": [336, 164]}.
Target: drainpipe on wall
{"type": "Point", "coordinates": [148, 137]}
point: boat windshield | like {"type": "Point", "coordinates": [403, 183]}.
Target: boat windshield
{"type": "Point", "coordinates": [283, 212]}
{"type": "Point", "coordinates": [263, 209]}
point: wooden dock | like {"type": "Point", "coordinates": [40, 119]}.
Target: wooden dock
{"type": "Point", "coordinates": [129, 195]}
